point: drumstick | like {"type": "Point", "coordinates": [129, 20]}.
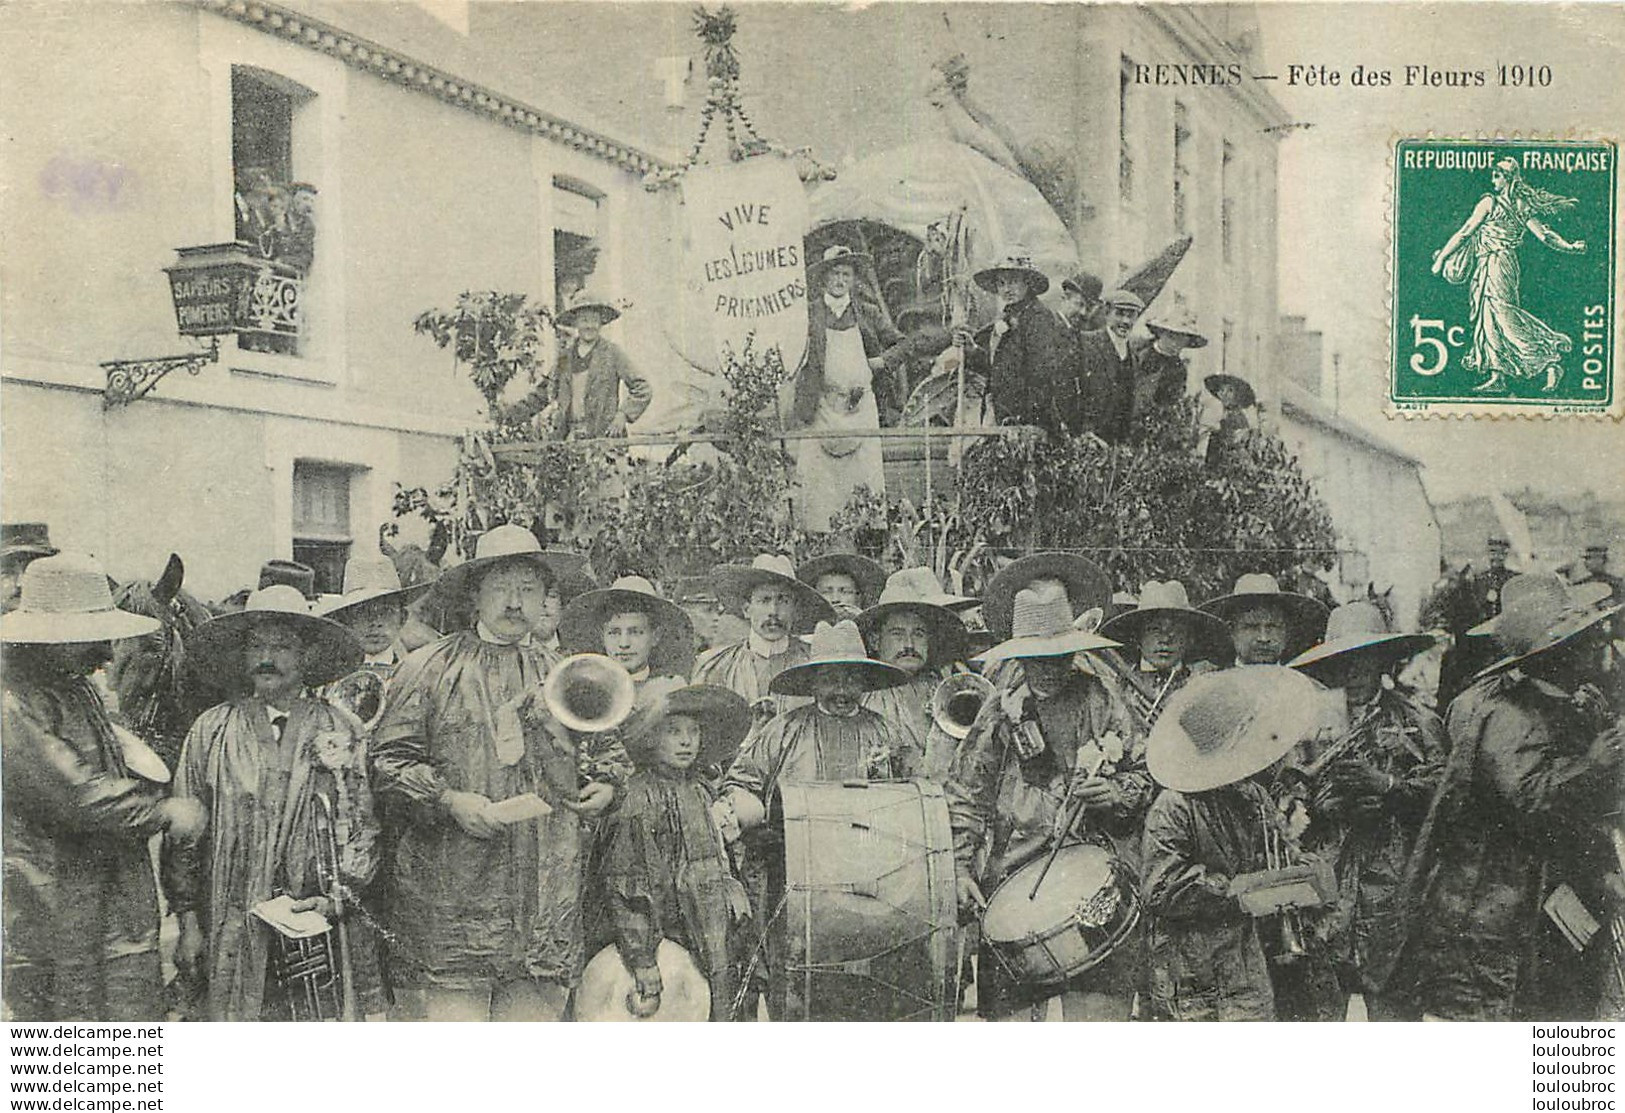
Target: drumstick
{"type": "Point", "coordinates": [1060, 836]}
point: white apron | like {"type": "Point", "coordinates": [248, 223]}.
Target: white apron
{"type": "Point", "coordinates": [830, 468]}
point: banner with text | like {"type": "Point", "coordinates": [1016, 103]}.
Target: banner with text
{"type": "Point", "coordinates": [746, 223]}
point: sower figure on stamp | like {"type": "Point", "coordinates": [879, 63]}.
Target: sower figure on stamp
{"type": "Point", "coordinates": [778, 607]}
{"type": "Point", "coordinates": [1166, 642]}
{"type": "Point", "coordinates": [81, 800]}
{"type": "Point", "coordinates": [488, 870]}
{"type": "Point", "coordinates": [1370, 795]}
{"type": "Point", "coordinates": [666, 872]}
{"type": "Point", "coordinates": [283, 778]}
{"type": "Point", "coordinates": [1513, 867]}
{"type": "Point", "coordinates": [1215, 751]}
{"type": "Point", "coordinates": [913, 628]}
{"type": "Point", "coordinates": [834, 738]}
{"type": "Point", "coordinates": [1051, 759]}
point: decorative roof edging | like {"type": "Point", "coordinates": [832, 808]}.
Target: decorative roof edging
{"type": "Point", "coordinates": [394, 66]}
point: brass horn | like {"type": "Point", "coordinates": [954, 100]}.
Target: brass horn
{"type": "Point", "coordinates": [589, 692]}
{"type": "Point", "coordinates": [958, 700]}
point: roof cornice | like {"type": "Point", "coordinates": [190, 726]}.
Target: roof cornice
{"type": "Point", "coordinates": [402, 69]}
{"type": "Point", "coordinates": [1199, 41]}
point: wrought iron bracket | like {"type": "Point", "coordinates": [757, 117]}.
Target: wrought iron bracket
{"type": "Point", "coordinates": [131, 379]}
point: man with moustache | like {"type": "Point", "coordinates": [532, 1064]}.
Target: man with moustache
{"type": "Point", "coordinates": [1104, 369]}
{"type": "Point", "coordinates": [257, 763]}
{"type": "Point", "coordinates": [81, 799]}
{"type": "Point", "coordinates": [778, 606]}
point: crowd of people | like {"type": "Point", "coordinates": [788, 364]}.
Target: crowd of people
{"type": "Point", "coordinates": [379, 819]}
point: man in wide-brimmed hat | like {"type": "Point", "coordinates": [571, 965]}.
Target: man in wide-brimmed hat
{"type": "Point", "coordinates": [1103, 364]}
{"type": "Point", "coordinates": [487, 876]}
{"type": "Point", "coordinates": [632, 624]}
{"type": "Point", "coordinates": [1025, 355]}
{"type": "Point", "coordinates": [1215, 751]}
{"type": "Point", "coordinates": [1156, 371]}
{"type": "Point", "coordinates": [848, 582]}
{"type": "Point", "coordinates": [914, 627]}
{"type": "Point", "coordinates": [21, 543]}
{"type": "Point", "coordinates": [1267, 625]}
{"type": "Point", "coordinates": [833, 738]}
{"type": "Point", "coordinates": [1166, 642]}
{"type": "Point", "coordinates": [666, 874]}
{"type": "Point", "coordinates": [1055, 734]}
{"type": "Point", "coordinates": [594, 390]}
{"type": "Point", "coordinates": [373, 608]}
{"type": "Point", "coordinates": [82, 799]}
{"type": "Point", "coordinates": [1236, 398]}
{"type": "Point", "coordinates": [1370, 794]}
{"type": "Point", "coordinates": [257, 763]}
{"type": "Point", "coordinates": [1086, 585]}
{"type": "Point", "coordinates": [778, 606]}
{"type": "Point", "coordinates": [1513, 866]}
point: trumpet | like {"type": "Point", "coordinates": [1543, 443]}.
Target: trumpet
{"type": "Point", "coordinates": [315, 973]}
{"type": "Point", "coordinates": [958, 700]}
{"type": "Point", "coordinates": [589, 693]}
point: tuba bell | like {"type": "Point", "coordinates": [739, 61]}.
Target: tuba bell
{"type": "Point", "coordinates": [589, 693]}
{"type": "Point", "coordinates": [958, 700]}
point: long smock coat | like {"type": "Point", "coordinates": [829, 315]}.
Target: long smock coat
{"type": "Point", "coordinates": [1207, 962]}
{"type": "Point", "coordinates": [471, 911]}
{"type": "Point", "coordinates": [906, 710]}
{"type": "Point", "coordinates": [81, 908]}
{"type": "Point", "coordinates": [259, 793]}
{"type": "Point", "coordinates": [666, 876]}
{"type": "Point", "coordinates": [1518, 814]}
{"type": "Point", "coordinates": [1003, 807]}
{"type": "Point", "coordinates": [1399, 737]}
{"type": "Point", "coordinates": [747, 674]}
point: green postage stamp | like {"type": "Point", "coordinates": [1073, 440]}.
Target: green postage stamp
{"type": "Point", "coordinates": [1504, 277]}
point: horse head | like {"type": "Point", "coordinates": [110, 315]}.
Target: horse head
{"type": "Point", "coordinates": [148, 674]}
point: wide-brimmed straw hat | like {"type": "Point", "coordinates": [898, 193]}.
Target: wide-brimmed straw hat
{"type": "Point", "coordinates": [581, 625]}
{"type": "Point", "coordinates": [724, 717]}
{"type": "Point", "coordinates": [366, 580]}
{"type": "Point", "coordinates": [735, 582]}
{"type": "Point", "coordinates": [587, 299]}
{"type": "Point", "coordinates": [1244, 389]}
{"type": "Point", "coordinates": [1044, 626]}
{"type": "Point", "coordinates": [1358, 629]}
{"type": "Point", "coordinates": [453, 591]}
{"type": "Point", "coordinates": [1539, 612]}
{"type": "Point", "coordinates": [1225, 726]}
{"type": "Point", "coordinates": [25, 539]}
{"type": "Point", "coordinates": [1179, 321]}
{"type": "Point", "coordinates": [606, 983]}
{"type": "Point", "coordinates": [329, 650]}
{"type": "Point", "coordinates": [916, 591]}
{"type": "Point", "coordinates": [1307, 616]}
{"type": "Point", "coordinates": [838, 644]}
{"type": "Point", "coordinates": [66, 601]}
{"type": "Point", "coordinates": [1086, 585]}
{"type": "Point", "coordinates": [1158, 598]}
{"type": "Point", "coordinates": [868, 574]}
{"type": "Point", "coordinates": [837, 253]}
{"type": "Point", "coordinates": [1017, 262]}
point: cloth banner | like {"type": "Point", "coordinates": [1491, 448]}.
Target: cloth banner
{"type": "Point", "coordinates": [746, 224]}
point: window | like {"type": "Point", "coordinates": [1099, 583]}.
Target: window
{"type": "Point", "coordinates": [321, 520]}
{"type": "Point", "coordinates": [577, 212]}
{"type": "Point", "coordinates": [1125, 131]}
{"type": "Point", "coordinates": [1227, 204]}
{"type": "Point", "coordinates": [1182, 155]}
{"type": "Point", "coordinates": [275, 213]}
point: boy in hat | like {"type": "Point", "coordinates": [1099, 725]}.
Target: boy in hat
{"type": "Point", "coordinates": [21, 543]}
{"type": "Point", "coordinates": [487, 874]}
{"type": "Point", "coordinates": [913, 628]}
{"type": "Point", "coordinates": [1369, 796]}
{"type": "Point", "coordinates": [778, 607]}
{"type": "Point", "coordinates": [848, 582]}
{"type": "Point", "coordinates": [584, 395]}
{"type": "Point", "coordinates": [257, 763]}
{"type": "Point", "coordinates": [1050, 758]}
{"type": "Point", "coordinates": [81, 800]}
{"type": "Point", "coordinates": [1166, 642]}
{"type": "Point", "coordinates": [833, 738]}
{"type": "Point", "coordinates": [1103, 367]}
{"type": "Point", "coordinates": [1215, 752]}
{"type": "Point", "coordinates": [1513, 867]}
{"type": "Point", "coordinates": [666, 873]}
{"type": "Point", "coordinates": [1025, 355]}
{"type": "Point", "coordinates": [630, 623]}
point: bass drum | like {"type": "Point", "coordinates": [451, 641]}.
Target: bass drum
{"type": "Point", "coordinates": [868, 928]}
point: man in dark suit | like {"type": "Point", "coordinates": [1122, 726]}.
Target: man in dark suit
{"type": "Point", "coordinates": [1103, 371]}
{"type": "Point", "coordinates": [1026, 353]}
{"type": "Point", "coordinates": [584, 398]}
{"type": "Point", "coordinates": [1157, 369]}
{"type": "Point", "coordinates": [1084, 311]}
